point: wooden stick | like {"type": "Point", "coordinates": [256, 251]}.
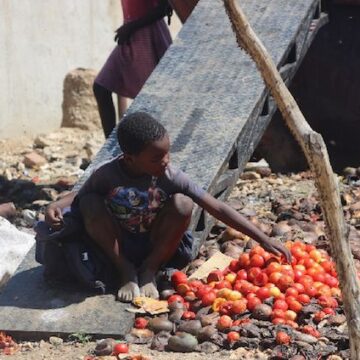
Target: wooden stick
{"type": "Point", "coordinates": [315, 151]}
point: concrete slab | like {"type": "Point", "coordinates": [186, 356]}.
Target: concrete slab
{"type": "Point", "coordinates": [31, 309]}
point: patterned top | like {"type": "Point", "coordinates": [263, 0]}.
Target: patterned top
{"type": "Point", "coordinates": [135, 201]}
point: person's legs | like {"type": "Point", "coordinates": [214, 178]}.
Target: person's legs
{"type": "Point", "coordinates": [106, 108]}
{"type": "Point", "coordinates": [166, 235]}
{"type": "Point", "coordinates": [122, 105]}
{"type": "Point", "coordinates": [104, 232]}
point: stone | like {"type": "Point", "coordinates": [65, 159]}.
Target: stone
{"type": "Point", "coordinates": [56, 341]}
{"type": "Point", "coordinates": [79, 104]}
{"type": "Point", "coordinates": [250, 175]}
{"type": "Point", "coordinates": [34, 160]}
{"type": "Point", "coordinates": [29, 216]}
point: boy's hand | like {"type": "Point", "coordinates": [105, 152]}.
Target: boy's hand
{"type": "Point", "coordinates": [53, 217]}
{"type": "Point", "coordinates": [123, 33]}
{"type": "Point", "coordinates": [277, 248]}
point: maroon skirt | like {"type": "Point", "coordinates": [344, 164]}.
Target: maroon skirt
{"type": "Point", "coordinates": [129, 65]}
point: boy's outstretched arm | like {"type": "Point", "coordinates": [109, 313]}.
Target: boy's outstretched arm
{"type": "Point", "coordinates": [230, 217]}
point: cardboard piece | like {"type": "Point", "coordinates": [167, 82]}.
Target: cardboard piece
{"type": "Point", "coordinates": [218, 261]}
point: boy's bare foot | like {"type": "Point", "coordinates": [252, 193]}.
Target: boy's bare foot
{"type": "Point", "coordinates": [7, 210]}
{"type": "Point", "coordinates": [129, 288]}
{"type": "Point", "coordinates": [147, 284]}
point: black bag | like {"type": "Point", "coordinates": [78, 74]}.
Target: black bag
{"type": "Point", "coordinates": [68, 257]}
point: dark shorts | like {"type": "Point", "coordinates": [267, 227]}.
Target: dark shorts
{"type": "Point", "coordinates": [137, 246]}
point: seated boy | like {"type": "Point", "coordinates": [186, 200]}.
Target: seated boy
{"type": "Point", "coordinates": [138, 207]}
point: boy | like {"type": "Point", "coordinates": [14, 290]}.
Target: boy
{"type": "Point", "coordinates": [138, 207]}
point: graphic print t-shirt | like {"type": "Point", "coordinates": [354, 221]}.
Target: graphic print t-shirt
{"type": "Point", "coordinates": [135, 201]}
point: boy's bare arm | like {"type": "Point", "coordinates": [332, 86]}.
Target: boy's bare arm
{"type": "Point", "coordinates": [53, 212]}
{"type": "Point", "coordinates": [230, 217]}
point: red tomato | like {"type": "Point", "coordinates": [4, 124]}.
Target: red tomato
{"type": "Point", "coordinates": [275, 276]}
{"type": "Point", "coordinates": [120, 348]}
{"type": "Point", "coordinates": [291, 323]}
{"type": "Point", "coordinates": [251, 304]}
{"type": "Point", "coordinates": [311, 291]}
{"type": "Point", "coordinates": [281, 305]}
{"type": "Point", "coordinates": [284, 282]}
{"type": "Point", "coordinates": [263, 293]}
{"type": "Point", "coordinates": [273, 267]}
{"type": "Point", "coordinates": [234, 265]}
{"type": "Point", "coordinates": [257, 261]}
{"type": "Point", "coordinates": [223, 284]}
{"type": "Point", "coordinates": [140, 323]}
{"type": "Point", "coordinates": [208, 298]}
{"type": "Point", "coordinates": [319, 316]}
{"type": "Point", "coordinates": [244, 261]}
{"type": "Point", "coordinates": [295, 306]}
{"type": "Point", "coordinates": [257, 250]}
{"type": "Point", "coordinates": [291, 291]}
{"type": "Point", "coordinates": [178, 277]}
{"type": "Point", "coordinates": [318, 276]}
{"type": "Point", "coordinates": [253, 272]}
{"type": "Point", "coordinates": [203, 290]}
{"type": "Point", "coordinates": [331, 281]}
{"type": "Point", "coordinates": [328, 266]}
{"type": "Point", "coordinates": [188, 315]}
{"type": "Point", "coordinates": [175, 297]}
{"type": "Point", "coordinates": [303, 299]}
{"type": "Point", "coordinates": [278, 321]}
{"type": "Point", "coordinates": [290, 315]}
{"type": "Point", "coordinates": [261, 279]}
{"type": "Point", "coordinates": [278, 314]}
{"type": "Point", "coordinates": [232, 336]}
{"type": "Point", "coordinates": [282, 338]}
{"type": "Point", "coordinates": [238, 306]}
{"type": "Point", "coordinates": [299, 287]}
{"type": "Point", "coordinates": [241, 275]}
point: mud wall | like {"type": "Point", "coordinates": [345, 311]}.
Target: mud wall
{"type": "Point", "coordinates": [327, 89]}
{"type": "Point", "coordinates": [40, 42]}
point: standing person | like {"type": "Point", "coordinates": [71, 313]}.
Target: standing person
{"type": "Point", "coordinates": [137, 209]}
{"type": "Point", "coordinates": [142, 41]}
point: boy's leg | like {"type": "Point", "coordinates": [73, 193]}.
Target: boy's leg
{"type": "Point", "coordinates": [106, 108]}
{"type": "Point", "coordinates": [166, 235]}
{"type": "Point", "coordinates": [104, 232]}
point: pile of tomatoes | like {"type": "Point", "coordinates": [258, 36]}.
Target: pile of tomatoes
{"type": "Point", "coordinates": [257, 276]}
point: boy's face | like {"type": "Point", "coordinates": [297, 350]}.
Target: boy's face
{"type": "Point", "coordinates": [154, 159]}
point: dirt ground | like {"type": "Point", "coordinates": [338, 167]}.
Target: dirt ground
{"type": "Point", "coordinates": [252, 195]}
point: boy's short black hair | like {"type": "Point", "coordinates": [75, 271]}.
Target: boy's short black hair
{"type": "Point", "coordinates": [137, 130]}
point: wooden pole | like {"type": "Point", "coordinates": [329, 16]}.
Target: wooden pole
{"type": "Point", "coordinates": [316, 154]}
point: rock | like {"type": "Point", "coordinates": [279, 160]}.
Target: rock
{"type": "Point", "coordinates": [250, 175]}
{"type": "Point", "coordinates": [29, 216]}
{"type": "Point", "coordinates": [104, 347]}
{"type": "Point", "coordinates": [190, 326]}
{"type": "Point", "coordinates": [139, 336]}
{"type": "Point", "coordinates": [349, 171]}
{"type": "Point", "coordinates": [79, 104]}
{"type": "Point", "coordinates": [208, 347]}
{"type": "Point", "coordinates": [158, 324]}
{"type": "Point", "coordinates": [182, 342]}
{"type": "Point", "coordinates": [34, 160]}
{"type": "Point", "coordinates": [55, 341]}
{"type": "Point", "coordinates": [160, 340]}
